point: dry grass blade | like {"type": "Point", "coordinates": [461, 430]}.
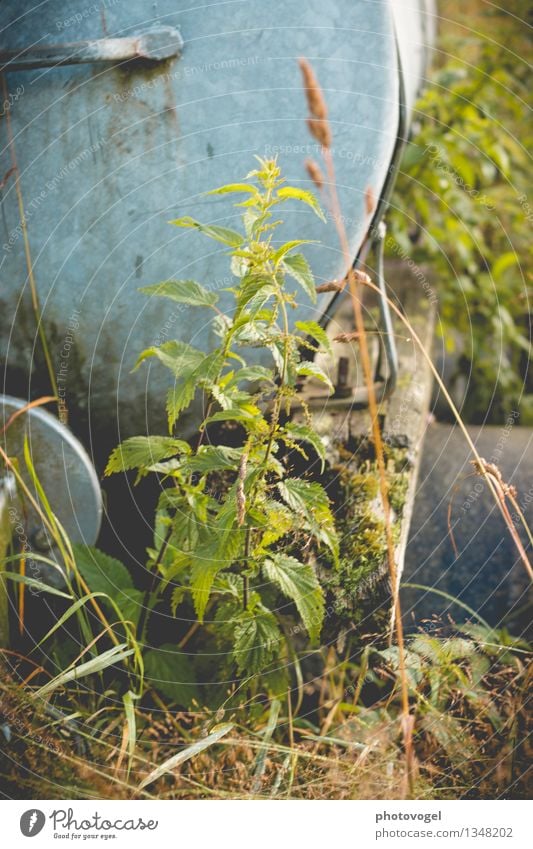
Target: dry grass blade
{"type": "Point", "coordinates": [261, 758]}
{"type": "Point", "coordinates": [186, 754]}
{"type": "Point", "coordinates": [96, 664]}
{"type": "Point", "coordinates": [39, 402]}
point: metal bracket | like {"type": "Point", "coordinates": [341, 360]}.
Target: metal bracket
{"type": "Point", "coordinates": [387, 339]}
{"type": "Point", "coordinates": [153, 45]}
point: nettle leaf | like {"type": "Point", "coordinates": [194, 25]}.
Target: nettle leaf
{"type": "Point", "coordinates": [310, 499]}
{"type": "Point", "coordinates": [191, 367]}
{"type": "Point", "coordinates": [179, 357]}
{"type": "Point", "coordinates": [100, 570]}
{"type": "Point", "coordinates": [251, 374]}
{"type": "Point", "coordinates": [251, 286]}
{"type": "Point", "coordinates": [280, 521]}
{"type": "Point", "coordinates": [304, 196]}
{"type": "Point", "coordinates": [139, 452]}
{"type": "Point", "coordinates": [229, 585]}
{"type": "Point", "coordinates": [229, 397]}
{"type": "Point", "coordinates": [170, 672]}
{"type": "Point", "coordinates": [219, 552]}
{"type": "Point", "coordinates": [166, 467]}
{"type": "Point", "coordinates": [179, 398]}
{"type": "Point", "coordinates": [302, 433]}
{"type": "Point", "coordinates": [282, 251]}
{"type": "Point", "coordinates": [298, 582]}
{"type": "Point", "coordinates": [297, 267]}
{"type": "Point", "coordinates": [104, 574]}
{"type": "Point", "coordinates": [234, 188]}
{"type": "Point", "coordinates": [250, 220]}
{"type": "Point", "coordinates": [211, 458]}
{"type": "Point", "coordinates": [309, 369]}
{"type": "Point", "coordinates": [183, 291]}
{"type": "Point", "coordinates": [220, 325]}
{"type": "Point", "coordinates": [219, 234]}
{"type": "Point", "coordinates": [250, 416]}
{"type": "Point", "coordinates": [316, 332]}
{"type": "Point", "coordinates": [256, 640]}
{"type": "Point", "coordinates": [176, 598]}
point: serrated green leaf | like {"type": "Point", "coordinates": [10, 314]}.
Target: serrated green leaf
{"type": "Point", "coordinates": [179, 398]}
{"type": "Point", "coordinates": [179, 357]}
{"type": "Point", "coordinates": [233, 188]}
{"type": "Point", "coordinates": [251, 286]}
{"type": "Point", "coordinates": [170, 672]}
{"type": "Point", "coordinates": [218, 552]}
{"type": "Point", "coordinates": [229, 397]}
{"type": "Point", "coordinates": [298, 582]}
{"type": "Point", "coordinates": [238, 414]}
{"type": "Point", "coordinates": [100, 571]}
{"type": "Point", "coordinates": [177, 596]}
{"type": "Point", "coordinates": [183, 291]}
{"type": "Point", "coordinates": [139, 452]}
{"type": "Point", "coordinates": [167, 467]}
{"type": "Point", "coordinates": [280, 521]}
{"type": "Point", "coordinates": [104, 574]}
{"type": "Point", "coordinates": [210, 458]}
{"type": "Point", "coordinates": [297, 266]}
{"type": "Point", "coordinates": [309, 369]}
{"type": "Point", "coordinates": [250, 220]}
{"type": "Point", "coordinates": [284, 249]}
{"type": "Point", "coordinates": [311, 500]}
{"type": "Point", "coordinates": [219, 234]}
{"type": "Point", "coordinates": [292, 192]}
{"type": "Point", "coordinates": [256, 640]}
{"type": "Point", "coordinates": [250, 374]}
{"type": "Point", "coordinates": [316, 332]}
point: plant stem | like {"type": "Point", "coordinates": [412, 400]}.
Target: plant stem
{"type": "Point", "coordinates": [150, 589]}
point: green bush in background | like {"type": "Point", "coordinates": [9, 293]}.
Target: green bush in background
{"type": "Point", "coordinates": [461, 203]}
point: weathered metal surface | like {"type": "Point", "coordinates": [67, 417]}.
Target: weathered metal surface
{"type": "Point", "coordinates": [154, 45]}
{"type": "Point", "coordinates": [487, 573]}
{"type": "Point", "coordinates": [107, 155]}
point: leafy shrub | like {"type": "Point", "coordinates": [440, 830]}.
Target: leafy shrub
{"type": "Point", "coordinates": [229, 514]}
{"type": "Point", "coordinates": [461, 207]}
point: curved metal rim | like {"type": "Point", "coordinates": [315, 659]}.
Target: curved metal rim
{"type": "Point", "coordinates": [49, 421]}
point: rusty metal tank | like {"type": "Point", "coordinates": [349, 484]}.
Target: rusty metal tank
{"type": "Point", "coordinates": [119, 116]}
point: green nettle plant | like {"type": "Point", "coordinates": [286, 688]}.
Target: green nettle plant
{"type": "Point", "coordinates": [233, 521]}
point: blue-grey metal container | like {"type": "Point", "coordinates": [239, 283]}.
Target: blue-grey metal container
{"type": "Point", "coordinates": [105, 153]}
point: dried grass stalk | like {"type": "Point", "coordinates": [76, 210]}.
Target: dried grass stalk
{"type": "Point", "coordinates": [313, 169]}
{"type": "Point", "coordinates": [332, 286]}
{"type": "Point", "coordinates": [318, 121]}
